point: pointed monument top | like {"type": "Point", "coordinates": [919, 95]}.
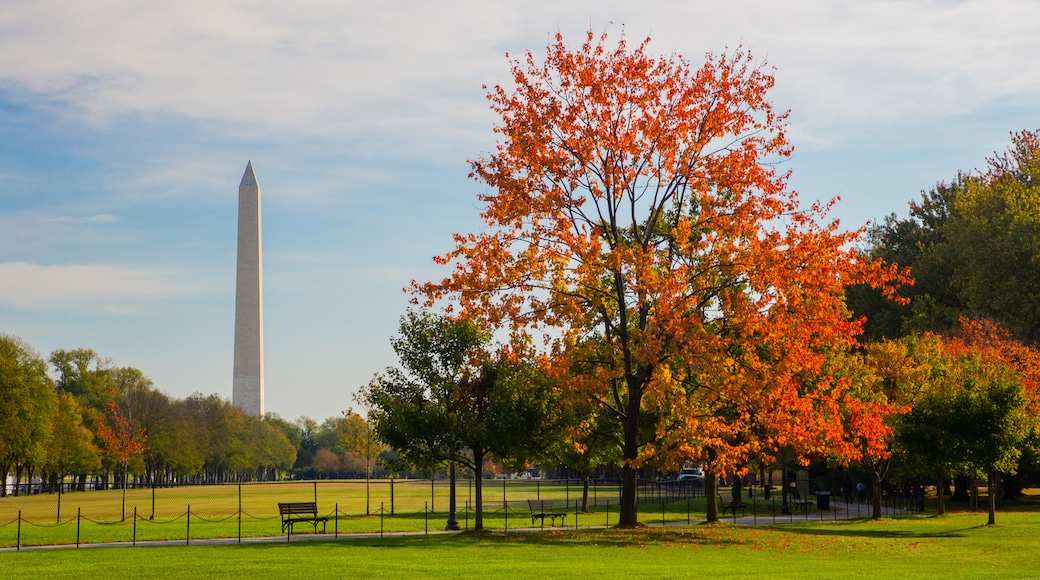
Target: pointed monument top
{"type": "Point", "coordinates": [248, 178]}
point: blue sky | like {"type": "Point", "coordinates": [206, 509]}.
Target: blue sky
{"type": "Point", "coordinates": [125, 128]}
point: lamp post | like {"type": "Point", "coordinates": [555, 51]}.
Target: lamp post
{"type": "Point", "coordinates": [453, 522]}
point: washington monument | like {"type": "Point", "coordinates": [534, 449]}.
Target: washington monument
{"type": "Point", "coordinates": [248, 388]}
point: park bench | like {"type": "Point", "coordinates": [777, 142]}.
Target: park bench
{"type": "Point", "coordinates": [800, 503]}
{"type": "Point", "coordinates": [543, 508]}
{"type": "Point", "coordinates": [301, 511]}
{"type": "Point", "coordinates": [728, 504]}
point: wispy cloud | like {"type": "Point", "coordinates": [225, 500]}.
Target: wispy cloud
{"type": "Point", "coordinates": [101, 218]}
{"type": "Point", "coordinates": [83, 287]}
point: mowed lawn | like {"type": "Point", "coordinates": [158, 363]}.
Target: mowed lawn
{"type": "Point", "coordinates": [97, 516]}
{"type": "Point", "coordinates": [953, 546]}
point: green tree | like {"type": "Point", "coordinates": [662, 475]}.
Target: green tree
{"type": "Point", "coordinates": [449, 403]}
{"type": "Point", "coordinates": [84, 374]}
{"type": "Point", "coordinates": [27, 402]}
{"type": "Point", "coordinates": [973, 245]}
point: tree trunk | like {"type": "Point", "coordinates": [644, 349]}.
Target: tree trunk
{"type": "Point", "coordinates": [584, 493]}
{"type": "Point", "coordinates": [974, 494]}
{"type": "Point", "coordinates": [711, 493]}
{"type": "Point", "coordinates": [961, 485]}
{"type": "Point", "coordinates": [940, 493]}
{"type": "Point", "coordinates": [478, 495]}
{"type": "Point", "coordinates": [738, 489]}
{"type": "Point", "coordinates": [994, 477]}
{"type": "Point", "coordinates": [629, 516]}
{"type": "Point", "coordinates": [17, 479]}
{"type": "Point", "coordinates": [875, 492]}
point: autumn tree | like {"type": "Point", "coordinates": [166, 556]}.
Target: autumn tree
{"type": "Point", "coordinates": [887, 381]}
{"type": "Point", "coordinates": [636, 217]}
{"type": "Point", "coordinates": [70, 448]}
{"type": "Point", "coordinates": [124, 440]}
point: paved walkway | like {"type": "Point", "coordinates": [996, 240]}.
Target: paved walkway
{"type": "Point", "coordinates": [838, 511]}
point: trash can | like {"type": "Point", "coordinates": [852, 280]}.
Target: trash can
{"type": "Point", "coordinates": [823, 500]}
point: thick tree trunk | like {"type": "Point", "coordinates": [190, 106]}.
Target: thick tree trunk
{"type": "Point", "coordinates": [961, 485]}
{"type": "Point", "coordinates": [585, 493]}
{"type": "Point", "coordinates": [478, 492]}
{"type": "Point", "coordinates": [629, 515]}
{"type": "Point", "coordinates": [991, 491]}
{"type": "Point", "coordinates": [17, 479]}
{"type": "Point", "coordinates": [711, 494]}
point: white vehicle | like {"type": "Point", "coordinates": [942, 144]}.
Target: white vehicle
{"type": "Point", "coordinates": [695, 473]}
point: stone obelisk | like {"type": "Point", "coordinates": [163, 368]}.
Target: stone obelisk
{"type": "Point", "coordinates": [248, 387]}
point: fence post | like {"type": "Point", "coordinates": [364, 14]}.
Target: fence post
{"type": "Point", "coordinates": [239, 512]}
{"type": "Point", "coordinates": [315, 492]}
{"type": "Point", "coordinates": [135, 526]}
{"type": "Point", "coordinates": [152, 517]}
{"type": "Point", "coordinates": [187, 536]}
{"type": "Point", "coordinates": [58, 520]}
{"type": "Point", "coordinates": [78, 512]}
{"type": "Point", "coordinates": [608, 513]}
{"type": "Point", "coordinates": [391, 496]}
{"type": "Point", "coordinates": [18, 542]}
{"type": "Point", "coordinates": [335, 522]}
{"type": "Point", "coordinates": [433, 504]}
{"type": "Point", "coordinates": [381, 519]}
{"type": "Point", "coordinates": [426, 517]}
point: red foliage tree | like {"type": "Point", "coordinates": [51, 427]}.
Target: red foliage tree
{"type": "Point", "coordinates": [640, 231]}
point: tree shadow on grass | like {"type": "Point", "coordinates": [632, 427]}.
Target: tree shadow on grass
{"type": "Point", "coordinates": [857, 529]}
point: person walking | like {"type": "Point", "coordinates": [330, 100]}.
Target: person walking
{"type": "Point", "coordinates": [846, 489]}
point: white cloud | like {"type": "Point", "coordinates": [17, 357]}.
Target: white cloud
{"type": "Point", "coordinates": [83, 287]}
{"type": "Point", "coordinates": [101, 218]}
{"type": "Point", "coordinates": [326, 66]}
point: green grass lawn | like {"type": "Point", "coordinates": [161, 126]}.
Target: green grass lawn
{"type": "Point", "coordinates": [953, 546]}
{"type": "Point", "coordinates": [97, 516]}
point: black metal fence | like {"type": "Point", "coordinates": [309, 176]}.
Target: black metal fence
{"type": "Point", "coordinates": [249, 510]}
